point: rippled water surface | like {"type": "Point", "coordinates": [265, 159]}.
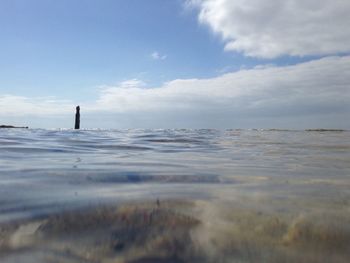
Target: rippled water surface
{"type": "Point", "coordinates": [288, 175]}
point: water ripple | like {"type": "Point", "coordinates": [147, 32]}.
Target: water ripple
{"type": "Point", "coordinates": [41, 167]}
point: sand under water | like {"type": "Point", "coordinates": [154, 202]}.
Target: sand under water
{"type": "Point", "coordinates": [165, 196]}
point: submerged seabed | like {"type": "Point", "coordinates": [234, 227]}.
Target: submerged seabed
{"type": "Point", "coordinates": [139, 196]}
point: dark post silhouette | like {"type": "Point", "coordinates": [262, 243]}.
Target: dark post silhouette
{"type": "Point", "coordinates": [77, 118]}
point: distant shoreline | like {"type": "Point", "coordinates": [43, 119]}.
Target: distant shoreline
{"type": "Point", "coordinates": [12, 127]}
{"type": "Point", "coordinates": [326, 130]}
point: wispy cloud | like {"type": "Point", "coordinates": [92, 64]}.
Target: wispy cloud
{"type": "Point", "coordinates": [132, 83]}
{"type": "Point", "coordinates": [158, 56]}
{"type": "Point", "coordinates": [271, 28]}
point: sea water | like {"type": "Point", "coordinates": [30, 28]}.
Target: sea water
{"type": "Point", "coordinates": [237, 195]}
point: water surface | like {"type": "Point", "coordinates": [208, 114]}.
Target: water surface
{"type": "Point", "coordinates": [235, 183]}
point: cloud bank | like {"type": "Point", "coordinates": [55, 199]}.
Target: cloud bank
{"type": "Point", "coordinates": [261, 96]}
{"type": "Point", "coordinates": [271, 28]}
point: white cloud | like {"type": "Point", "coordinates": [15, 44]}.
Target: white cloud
{"type": "Point", "coordinates": [271, 28]}
{"type": "Point", "coordinates": [317, 91]}
{"type": "Point", "coordinates": [116, 97]}
{"type": "Point", "coordinates": [157, 56]}
{"type": "Point", "coordinates": [318, 87]}
{"type": "Point", "coordinates": [11, 105]}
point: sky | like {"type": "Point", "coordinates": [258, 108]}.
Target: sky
{"type": "Point", "coordinates": [175, 63]}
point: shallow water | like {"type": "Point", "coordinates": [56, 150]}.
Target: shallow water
{"type": "Point", "coordinates": [227, 177]}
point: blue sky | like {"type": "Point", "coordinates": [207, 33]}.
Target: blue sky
{"type": "Point", "coordinates": [83, 44]}
{"type": "Point", "coordinates": [87, 52]}
{"type": "Point", "coordinates": [67, 48]}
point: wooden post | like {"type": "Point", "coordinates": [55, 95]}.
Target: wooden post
{"type": "Point", "coordinates": [77, 118]}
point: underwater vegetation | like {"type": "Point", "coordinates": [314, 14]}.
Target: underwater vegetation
{"type": "Point", "coordinates": [176, 231]}
{"type": "Point", "coordinates": [156, 232]}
